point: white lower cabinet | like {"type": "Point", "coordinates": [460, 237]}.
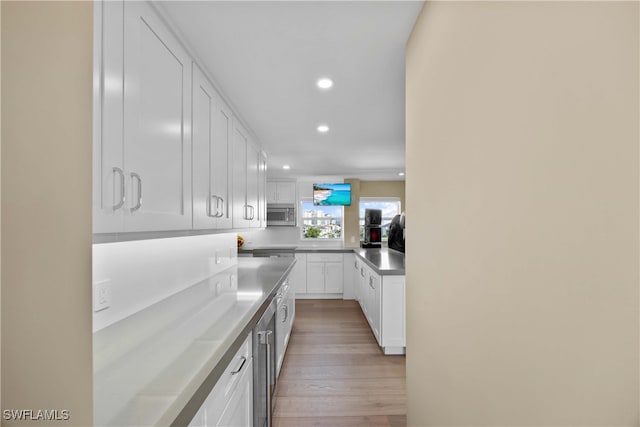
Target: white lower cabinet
{"type": "Point", "coordinates": [382, 300]}
{"type": "Point", "coordinates": [284, 321]}
{"type": "Point", "coordinates": [299, 274]}
{"type": "Point", "coordinates": [230, 402]}
{"type": "Point", "coordinates": [324, 273]}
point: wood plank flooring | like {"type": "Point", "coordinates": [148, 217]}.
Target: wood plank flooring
{"type": "Point", "coordinates": [335, 375]}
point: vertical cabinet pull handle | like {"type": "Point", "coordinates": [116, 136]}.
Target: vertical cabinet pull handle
{"type": "Point", "coordinates": [221, 214]}
{"type": "Point", "coordinates": [263, 338]}
{"type": "Point", "coordinates": [237, 371]}
{"type": "Point", "coordinates": [210, 201]}
{"type": "Point", "coordinates": [119, 171]}
{"type": "Point", "coordinates": [139, 202]}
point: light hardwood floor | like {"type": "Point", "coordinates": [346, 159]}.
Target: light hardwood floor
{"type": "Point", "coordinates": [334, 374]}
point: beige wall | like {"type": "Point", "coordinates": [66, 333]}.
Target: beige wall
{"type": "Point", "coordinates": [366, 189]}
{"type": "Point", "coordinates": [351, 219]}
{"type": "Point", "coordinates": [46, 208]}
{"type": "Point", "coordinates": [522, 165]}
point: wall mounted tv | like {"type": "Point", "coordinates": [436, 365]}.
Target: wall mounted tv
{"type": "Point", "coordinates": [332, 194]}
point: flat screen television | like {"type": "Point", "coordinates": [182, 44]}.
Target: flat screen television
{"type": "Point", "coordinates": [332, 194]}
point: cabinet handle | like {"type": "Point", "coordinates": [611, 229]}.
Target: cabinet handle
{"type": "Point", "coordinates": [246, 212]}
{"type": "Point", "coordinates": [253, 213]}
{"type": "Point", "coordinates": [219, 213]}
{"type": "Point", "coordinates": [237, 371]}
{"type": "Point", "coordinates": [221, 199]}
{"type": "Point", "coordinates": [362, 271]}
{"type": "Point", "coordinates": [263, 338]}
{"type": "Point", "coordinates": [209, 206]}
{"type": "Point", "coordinates": [121, 202]}
{"type": "Point", "coordinates": [139, 202]}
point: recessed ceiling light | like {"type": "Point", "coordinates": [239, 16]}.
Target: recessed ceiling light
{"type": "Point", "coordinates": [286, 167]}
{"type": "Point", "coordinates": [401, 173]}
{"type": "Point", "coordinates": [325, 83]}
{"type": "Point", "coordinates": [323, 128]}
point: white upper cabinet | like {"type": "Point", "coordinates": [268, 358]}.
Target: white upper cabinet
{"type": "Point", "coordinates": [253, 185]}
{"type": "Point", "coordinates": [248, 194]}
{"type": "Point", "coordinates": [157, 134]}
{"type": "Point", "coordinates": [281, 192]}
{"type": "Point", "coordinates": [108, 162]}
{"type": "Point", "coordinates": [211, 130]}
{"type": "Point", "coordinates": [241, 211]}
{"type": "Point", "coordinates": [143, 151]}
{"type": "Point", "coordinates": [168, 153]}
{"type": "Point", "coordinates": [262, 189]}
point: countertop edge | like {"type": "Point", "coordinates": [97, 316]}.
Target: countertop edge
{"type": "Point", "coordinates": [192, 406]}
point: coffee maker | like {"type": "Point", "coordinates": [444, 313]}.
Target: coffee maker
{"type": "Point", "coordinates": [372, 228]}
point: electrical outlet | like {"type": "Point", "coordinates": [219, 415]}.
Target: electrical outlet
{"type": "Point", "coordinates": [353, 239]}
{"type": "Point", "coordinates": [101, 295]}
{"type": "Point", "coordinates": [218, 258]}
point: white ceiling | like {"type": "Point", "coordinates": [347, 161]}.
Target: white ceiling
{"type": "Point", "coordinates": [267, 56]}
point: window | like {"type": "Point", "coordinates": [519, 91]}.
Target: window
{"type": "Point", "coordinates": [321, 222]}
{"type": "Point", "coordinates": [390, 207]}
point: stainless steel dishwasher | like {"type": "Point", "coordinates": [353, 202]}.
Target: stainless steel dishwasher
{"type": "Point", "coordinates": [264, 366]}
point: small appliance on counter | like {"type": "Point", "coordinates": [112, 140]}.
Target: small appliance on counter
{"type": "Point", "coordinates": [372, 228]}
{"type": "Point", "coordinates": [396, 233]}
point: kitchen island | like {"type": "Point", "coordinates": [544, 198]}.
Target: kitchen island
{"type": "Point", "coordinates": [157, 366]}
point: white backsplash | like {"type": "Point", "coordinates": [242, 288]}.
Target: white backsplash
{"type": "Point", "coordinates": [278, 236]}
{"type": "Point", "coordinates": [141, 273]}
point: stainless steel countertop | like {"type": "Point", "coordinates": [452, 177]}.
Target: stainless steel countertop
{"type": "Point", "coordinates": [256, 276]}
{"type": "Point", "coordinates": [205, 325]}
{"type": "Point", "coordinates": [384, 261]}
{"type": "Point", "coordinates": [297, 249]}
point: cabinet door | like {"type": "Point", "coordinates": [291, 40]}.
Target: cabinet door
{"type": "Point", "coordinates": [333, 279]}
{"type": "Point", "coordinates": [262, 189]}
{"type": "Point", "coordinates": [286, 192]}
{"type": "Point", "coordinates": [272, 192]}
{"type": "Point", "coordinates": [240, 210]}
{"type": "Point", "coordinates": [252, 185]}
{"type": "Point", "coordinates": [362, 286]}
{"type": "Point", "coordinates": [299, 274]}
{"type": "Point", "coordinates": [205, 206]}
{"type": "Point", "coordinates": [222, 143]}
{"type": "Point", "coordinates": [157, 111]}
{"type": "Point", "coordinates": [374, 307]}
{"type": "Point", "coordinates": [393, 314]}
{"type": "Point", "coordinates": [315, 277]}
{"type": "Point", "coordinates": [108, 164]}
{"type": "Point", "coordinates": [239, 410]}
{"type": "Point", "coordinates": [198, 419]}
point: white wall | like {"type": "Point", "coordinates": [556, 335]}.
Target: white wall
{"type": "Point", "coordinates": [141, 273]}
{"type": "Point", "coordinates": [47, 73]}
{"type": "Point", "coordinates": [522, 183]}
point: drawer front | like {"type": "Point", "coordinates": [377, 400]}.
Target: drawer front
{"type": "Point", "coordinates": [228, 382]}
{"type": "Point", "coordinates": [331, 257]}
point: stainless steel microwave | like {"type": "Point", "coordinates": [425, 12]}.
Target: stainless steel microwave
{"type": "Point", "coordinates": [281, 215]}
